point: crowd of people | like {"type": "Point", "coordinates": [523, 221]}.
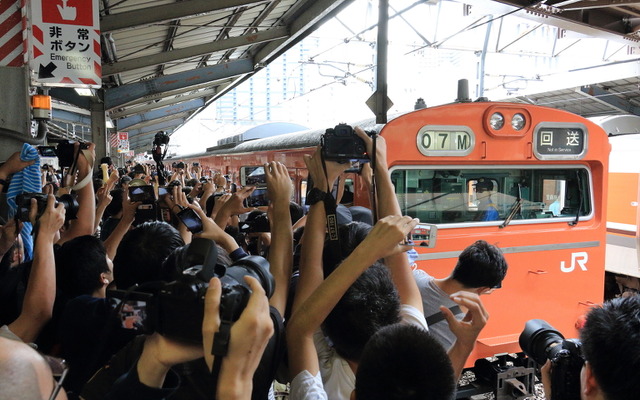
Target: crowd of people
{"type": "Point", "coordinates": [139, 283]}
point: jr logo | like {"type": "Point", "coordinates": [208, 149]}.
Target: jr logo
{"type": "Point", "coordinates": [580, 259]}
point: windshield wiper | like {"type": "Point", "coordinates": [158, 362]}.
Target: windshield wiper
{"type": "Point", "coordinates": [515, 208]}
{"type": "Point", "coordinates": [575, 221]}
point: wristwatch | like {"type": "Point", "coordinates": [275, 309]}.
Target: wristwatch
{"type": "Point", "coordinates": [315, 195]}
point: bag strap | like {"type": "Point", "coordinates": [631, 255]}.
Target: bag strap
{"type": "Point", "coordinates": [439, 316]}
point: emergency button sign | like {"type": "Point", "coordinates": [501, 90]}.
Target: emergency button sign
{"type": "Point", "coordinates": [65, 43]}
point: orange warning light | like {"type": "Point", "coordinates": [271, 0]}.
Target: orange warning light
{"type": "Point", "coordinates": [41, 105]}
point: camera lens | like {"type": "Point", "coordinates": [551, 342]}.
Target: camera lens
{"type": "Point", "coordinates": [538, 338]}
{"type": "Point", "coordinates": [70, 205]}
{"type": "Point", "coordinates": [255, 266]}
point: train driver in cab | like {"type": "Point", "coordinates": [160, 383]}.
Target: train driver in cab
{"type": "Point", "coordinates": [487, 210]}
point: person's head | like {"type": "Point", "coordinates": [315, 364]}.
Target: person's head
{"type": "Point", "coordinates": [611, 346]}
{"type": "Point", "coordinates": [370, 304]}
{"type": "Point", "coordinates": [142, 251]}
{"type": "Point", "coordinates": [480, 266]}
{"type": "Point", "coordinates": [106, 160]}
{"type": "Point", "coordinates": [82, 266]}
{"type": "Point", "coordinates": [25, 374]}
{"type": "Point", "coordinates": [484, 185]}
{"type": "Point", "coordinates": [193, 182]}
{"type": "Point", "coordinates": [404, 362]}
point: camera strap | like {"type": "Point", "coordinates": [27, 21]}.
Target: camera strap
{"type": "Point", "coordinates": [374, 161]}
{"type": "Point", "coordinates": [330, 208]}
{"type": "Point", "coordinates": [220, 345]}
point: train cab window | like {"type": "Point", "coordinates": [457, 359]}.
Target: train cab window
{"type": "Point", "coordinates": [491, 195]}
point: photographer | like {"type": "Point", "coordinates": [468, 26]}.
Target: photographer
{"type": "Point", "coordinates": [610, 341]}
{"type": "Point", "coordinates": [40, 294]}
{"type": "Point", "coordinates": [151, 377]}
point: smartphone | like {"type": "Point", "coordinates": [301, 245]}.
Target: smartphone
{"type": "Point", "coordinates": [190, 219]}
{"type": "Point", "coordinates": [162, 191]}
{"type": "Point", "coordinates": [144, 194]}
{"type": "Point", "coordinates": [423, 235]}
{"type": "Point", "coordinates": [47, 151]}
{"type": "Point", "coordinates": [133, 313]}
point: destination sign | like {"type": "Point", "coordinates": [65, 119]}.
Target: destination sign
{"type": "Point", "coordinates": [443, 140]}
{"type": "Point", "coordinates": [560, 141]}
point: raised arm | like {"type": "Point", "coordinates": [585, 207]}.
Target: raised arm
{"type": "Point", "coordinates": [311, 271]}
{"type": "Point", "coordinates": [128, 216]}
{"type": "Point", "coordinates": [467, 329]}
{"type": "Point", "coordinates": [104, 199]}
{"type": "Point", "coordinates": [84, 223]}
{"type": "Point", "coordinates": [382, 241]}
{"type": "Point", "coordinates": [233, 206]}
{"type": "Point", "coordinates": [41, 287]}
{"type": "Point", "coordinates": [387, 204]}
{"type": "Point", "coordinates": [279, 189]}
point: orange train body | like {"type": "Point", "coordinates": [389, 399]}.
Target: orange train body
{"type": "Point", "coordinates": [549, 172]}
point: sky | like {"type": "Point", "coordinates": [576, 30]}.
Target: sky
{"type": "Point", "coordinates": [431, 47]}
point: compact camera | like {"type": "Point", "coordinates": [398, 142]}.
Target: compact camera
{"type": "Point", "coordinates": [541, 342]}
{"type": "Point", "coordinates": [341, 144]}
{"type": "Point", "coordinates": [65, 152]}
{"type": "Point", "coordinates": [23, 202]}
{"type": "Point", "coordinates": [144, 194]}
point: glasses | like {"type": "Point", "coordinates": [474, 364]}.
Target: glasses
{"type": "Point", "coordinates": [59, 370]}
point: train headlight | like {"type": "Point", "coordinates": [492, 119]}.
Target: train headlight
{"type": "Point", "coordinates": [496, 121]}
{"type": "Point", "coordinates": [518, 121]}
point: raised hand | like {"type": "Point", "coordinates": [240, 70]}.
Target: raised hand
{"type": "Point", "coordinates": [467, 329]}
{"type": "Point", "coordinates": [279, 187]}
{"type": "Point", "coordinates": [387, 235]}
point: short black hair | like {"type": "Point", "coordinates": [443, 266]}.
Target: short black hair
{"type": "Point", "coordinates": [175, 264]}
{"type": "Point", "coordinates": [142, 251]}
{"type": "Point", "coordinates": [404, 362]}
{"type": "Point", "coordinates": [611, 344]}
{"type": "Point", "coordinates": [480, 265]}
{"type": "Point", "coordinates": [79, 263]}
{"type": "Point", "coordinates": [372, 302]}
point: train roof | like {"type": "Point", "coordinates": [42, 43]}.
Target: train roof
{"type": "Point", "coordinates": [288, 141]}
{"type": "Point", "coordinates": [615, 125]}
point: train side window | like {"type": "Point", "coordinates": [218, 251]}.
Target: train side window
{"type": "Point", "coordinates": [489, 195]}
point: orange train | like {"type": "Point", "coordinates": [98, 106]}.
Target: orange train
{"type": "Point", "coordinates": [548, 171]}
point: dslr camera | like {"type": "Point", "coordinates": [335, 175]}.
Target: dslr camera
{"type": "Point", "coordinates": [161, 138]}
{"type": "Point", "coordinates": [65, 152]}
{"type": "Point", "coordinates": [178, 306]}
{"type": "Point", "coordinates": [541, 342]}
{"type": "Point", "coordinates": [341, 144]}
{"type": "Point", "coordinates": [23, 202]}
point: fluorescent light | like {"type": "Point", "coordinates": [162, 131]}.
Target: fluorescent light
{"type": "Point", "coordinates": [109, 124]}
{"type": "Point", "coordinates": [84, 91]}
